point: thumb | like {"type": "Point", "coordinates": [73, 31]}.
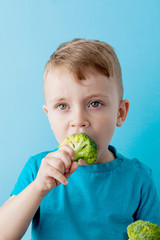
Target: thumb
{"type": "Point", "coordinates": [82, 162]}
{"type": "Point", "coordinates": [73, 168]}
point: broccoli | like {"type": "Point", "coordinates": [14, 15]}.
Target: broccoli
{"type": "Point", "coordinates": [140, 230]}
{"type": "Point", "coordinates": [85, 148]}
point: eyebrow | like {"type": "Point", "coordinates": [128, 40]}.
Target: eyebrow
{"type": "Point", "coordinates": [57, 100]}
{"type": "Point", "coordinates": [97, 96]}
{"type": "Point", "coordinates": [90, 96]}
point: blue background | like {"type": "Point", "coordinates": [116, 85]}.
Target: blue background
{"type": "Point", "coordinates": [30, 30]}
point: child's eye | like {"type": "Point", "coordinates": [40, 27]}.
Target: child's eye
{"type": "Point", "coordinates": [95, 104]}
{"type": "Point", "coordinates": [62, 106]}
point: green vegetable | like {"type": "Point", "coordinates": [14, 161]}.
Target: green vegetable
{"type": "Point", "coordinates": [143, 230]}
{"type": "Point", "coordinates": [85, 148]}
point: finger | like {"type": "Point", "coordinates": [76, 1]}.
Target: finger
{"type": "Point", "coordinates": [54, 173]}
{"type": "Point", "coordinates": [60, 160]}
{"type": "Point", "coordinates": [82, 162]}
{"type": "Point", "coordinates": [65, 157]}
{"type": "Point", "coordinates": [68, 149]}
{"type": "Point", "coordinates": [57, 164]}
{"type": "Point", "coordinates": [65, 148]}
{"type": "Point", "coordinates": [73, 168]}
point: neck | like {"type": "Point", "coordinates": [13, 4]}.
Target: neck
{"type": "Point", "coordinates": [105, 157]}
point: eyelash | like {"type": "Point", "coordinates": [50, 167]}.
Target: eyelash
{"type": "Point", "coordinates": [58, 106]}
{"type": "Point", "coordinates": [90, 105]}
{"type": "Point", "coordinates": [99, 103]}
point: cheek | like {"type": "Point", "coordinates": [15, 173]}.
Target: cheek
{"type": "Point", "coordinates": [105, 127]}
{"type": "Point", "coordinates": [56, 126]}
{"type": "Point", "coordinates": [59, 133]}
{"type": "Point", "coordinates": [107, 122]}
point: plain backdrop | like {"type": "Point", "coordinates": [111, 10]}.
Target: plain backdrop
{"type": "Point", "coordinates": [30, 30]}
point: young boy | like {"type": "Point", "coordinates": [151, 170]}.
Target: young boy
{"type": "Point", "coordinates": [83, 93]}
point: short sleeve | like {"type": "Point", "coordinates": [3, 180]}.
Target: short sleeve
{"type": "Point", "coordinates": [25, 178]}
{"type": "Point", "coordinates": [29, 172]}
{"type": "Point", "coordinates": [149, 207]}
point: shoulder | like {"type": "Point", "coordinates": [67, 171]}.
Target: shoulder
{"type": "Point", "coordinates": [133, 166]}
{"type": "Point", "coordinates": [138, 167]}
{"type": "Point", "coordinates": [141, 167]}
{"type": "Point", "coordinates": [137, 174]}
{"type": "Point", "coordinates": [37, 158]}
{"type": "Point", "coordinates": [34, 161]}
{"type": "Point", "coordinates": [29, 172]}
{"type": "Point", "coordinates": [141, 173]}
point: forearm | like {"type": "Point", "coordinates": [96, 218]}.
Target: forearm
{"type": "Point", "coordinates": [16, 214]}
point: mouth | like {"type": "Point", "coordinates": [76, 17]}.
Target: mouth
{"type": "Point", "coordinates": [88, 136]}
{"type": "Point", "coordinates": [84, 133]}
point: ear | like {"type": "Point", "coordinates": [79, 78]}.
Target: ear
{"type": "Point", "coordinates": [122, 112]}
{"type": "Point", "coordinates": [45, 109]}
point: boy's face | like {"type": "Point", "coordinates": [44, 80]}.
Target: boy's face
{"type": "Point", "coordinates": [91, 106]}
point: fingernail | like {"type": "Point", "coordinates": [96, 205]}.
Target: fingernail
{"type": "Point", "coordinates": [66, 182]}
{"type": "Point", "coordinates": [82, 162]}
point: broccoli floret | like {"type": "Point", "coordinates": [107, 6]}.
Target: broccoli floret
{"type": "Point", "coordinates": [143, 230]}
{"type": "Point", "coordinates": [85, 148]}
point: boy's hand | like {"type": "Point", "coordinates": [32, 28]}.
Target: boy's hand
{"type": "Point", "coordinates": [55, 168]}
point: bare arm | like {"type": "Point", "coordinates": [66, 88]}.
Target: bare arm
{"type": "Point", "coordinates": [17, 213]}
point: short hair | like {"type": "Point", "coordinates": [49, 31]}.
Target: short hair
{"type": "Point", "coordinates": [81, 56]}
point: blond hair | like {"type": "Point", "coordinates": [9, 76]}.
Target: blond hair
{"type": "Point", "coordinates": [81, 56]}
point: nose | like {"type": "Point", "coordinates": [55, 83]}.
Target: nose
{"type": "Point", "coordinates": [83, 124]}
{"type": "Point", "coordinates": [79, 121]}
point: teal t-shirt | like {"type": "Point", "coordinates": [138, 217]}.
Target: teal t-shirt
{"type": "Point", "coordinates": [99, 202]}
